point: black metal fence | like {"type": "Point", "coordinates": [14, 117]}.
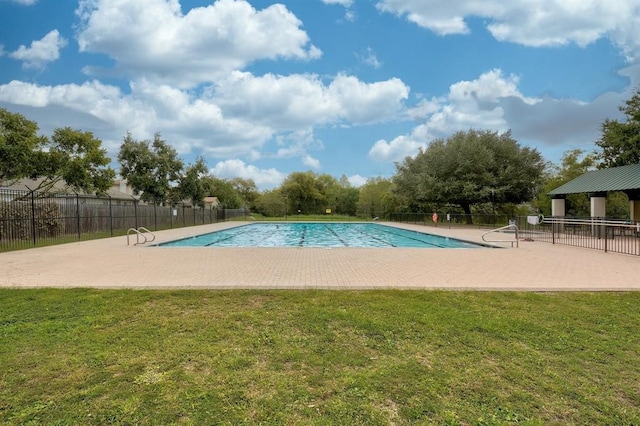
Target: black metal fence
{"type": "Point", "coordinates": [30, 219]}
{"type": "Point", "coordinates": [608, 235]}
{"type": "Point", "coordinates": [452, 220]}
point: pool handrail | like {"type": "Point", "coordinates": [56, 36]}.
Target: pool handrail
{"type": "Point", "coordinates": [502, 228]}
{"type": "Point", "coordinates": [141, 232]}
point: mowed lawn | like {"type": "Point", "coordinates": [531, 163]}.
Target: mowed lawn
{"type": "Point", "coordinates": [81, 356]}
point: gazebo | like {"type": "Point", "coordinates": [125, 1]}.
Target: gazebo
{"type": "Point", "coordinates": [597, 184]}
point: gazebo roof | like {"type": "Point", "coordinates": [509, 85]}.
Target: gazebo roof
{"type": "Point", "coordinates": [624, 178]}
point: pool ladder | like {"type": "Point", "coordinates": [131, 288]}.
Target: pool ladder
{"type": "Point", "coordinates": [501, 229]}
{"type": "Point", "coordinates": [141, 233]}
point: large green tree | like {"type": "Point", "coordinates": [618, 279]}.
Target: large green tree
{"type": "Point", "coordinates": [72, 156]}
{"type": "Point", "coordinates": [192, 184]}
{"type": "Point", "coordinates": [347, 197]}
{"type": "Point", "coordinates": [247, 190]}
{"type": "Point", "coordinates": [19, 141]}
{"type": "Point", "coordinates": [476, 166]}
{"type": "Point", "coordinates": [151, 168]}
{"type": "Point", "coordinates": [226, 192]}
{"type": "Point", "coordinates": [377, 199]}
{"type": "Point", "coordinates": [620, 141]}
{"type": "Point", "coordinates": [271, 203]}
{"type": "Point", "coordinates": [78, 158]}
{"type": "Point", "coordinates": [303, 191]}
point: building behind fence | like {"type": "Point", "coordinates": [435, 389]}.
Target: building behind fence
{"type": "Point", "coordinates": [29, 218]}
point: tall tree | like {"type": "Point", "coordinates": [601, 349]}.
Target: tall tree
{"type": "Point", "coordinates": [469, 168]}
{"type": "Point", "coordinates": [271, 203]}
{"type": "Point", "coordinates": [19, 143]}
{"type": "Point", "coordinates": [247, 190]}
{"type": "Point", "coordinates": [376, 198]}
{"type": "Point", "coordinates": [151, 168]}
{"type": "Point", "coordinates": [192, 186]}
{"type": "Point", "coordinates": [347, 197]}
{"type": "Point", "coordinates": [226, 192]}
{"type": "Point", "coordinates": [78, 158]}
{"type": "Point", "coordinates": [620, 141]}
{"type": "Point", "coordinates": [72, 156]}
{"type": "Point", "coordinates": [302, 190]}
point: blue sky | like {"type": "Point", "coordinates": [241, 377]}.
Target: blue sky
{"type": "Point", "coordinates": [346, 87]}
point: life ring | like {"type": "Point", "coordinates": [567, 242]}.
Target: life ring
{"type": "Point", "coordinates": [434, 217]}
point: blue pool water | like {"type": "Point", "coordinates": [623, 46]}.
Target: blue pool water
{"type": "Point", "coordinates": [318, 235]}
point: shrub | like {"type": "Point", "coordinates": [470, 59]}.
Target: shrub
{"type": "Point", "coordinates": [16, 219]}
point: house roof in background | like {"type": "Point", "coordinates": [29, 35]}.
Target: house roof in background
{"type": "Point", "coordinates": [624, 178]}
{"type": "Point", "coordinates": [61, 187]}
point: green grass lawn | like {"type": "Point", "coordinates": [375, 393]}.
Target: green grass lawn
{"type": "Point", "coordinates": [318, 357]}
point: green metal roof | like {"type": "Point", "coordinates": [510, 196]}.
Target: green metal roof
{"type": "Point", "coordinates": [624, 178]}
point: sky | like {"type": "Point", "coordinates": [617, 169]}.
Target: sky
{"type": "Point", "coordinates": [262, 89]}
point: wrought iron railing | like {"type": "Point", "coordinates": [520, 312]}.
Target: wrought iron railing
{"type": "Point", "coordinates": [606, 234]}
{"type": "Point", "coordinates": [31, 219]}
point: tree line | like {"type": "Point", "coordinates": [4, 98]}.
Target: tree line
{"type": "Point", "coordinates": [470, 172]}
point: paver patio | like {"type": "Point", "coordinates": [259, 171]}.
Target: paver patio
{"type": "Point", "coordinates": [110, 263]}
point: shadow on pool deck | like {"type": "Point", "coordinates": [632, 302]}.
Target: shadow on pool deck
{"type": "Point", "coordinates": [110, 263]}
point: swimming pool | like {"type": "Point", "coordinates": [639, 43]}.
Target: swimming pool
{"type": "Point", "coordinates": [303, 234]}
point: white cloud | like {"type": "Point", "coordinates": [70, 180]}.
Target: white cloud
{"type": "Point", "coordinates": [399, 148]}
{"type": "Point", "coordinates": [236, 117]}
{"type": "Point", "coordinates": [357, 180]}
{"type": "Point", "coordinates": [349, 15]}
{"type": "Point", "coordinates": [155, 40]}
{"type": "Point", "coordinates": [345, 3]}
{"type": "Point", "coordinates": [41, 51]}
{"type": "Point", "coordinates": [25, 2]}
{"type": "Point", "coordinates": [264, 178]}
{"type": "Point", "coordinates": [311, 162]}
{"type": "Point", "coordinates": [370, 58]}
{"type": "Point", "coordinates": [475, 104]}
{"type": "Point", "coordinates": [537, 23]}
{"type": "Point", "coordinates": [300, 101]}
{"type": "Point", "coordinates": [494, 102]}
{"type": "Point", "coordinates": [361, 102]}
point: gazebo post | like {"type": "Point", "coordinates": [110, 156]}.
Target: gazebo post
{"type": "Point", "coordinates": [598, 210]}
{"type": "Point", "coordinates": [634, 210]}
{"type": "Point", "coordinates": [558, 210]}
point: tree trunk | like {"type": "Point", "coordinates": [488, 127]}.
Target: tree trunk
{"type": "Point", "coordinates": [467, 213]}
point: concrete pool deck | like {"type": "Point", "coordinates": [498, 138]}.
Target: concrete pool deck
{"type": "Point", "coordinates": [110, 263]}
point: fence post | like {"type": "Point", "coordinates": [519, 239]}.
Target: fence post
{"type": "Point", "coordinates": [135, 212]}
{"type": "Point", "coordinates": [110, 215]}
{"type": "Point", "coordinates": [33, 217]}
{"type": "Point", "coordinates": [78, 214]}
{"type": "Point", "coordinates": [155, 216]}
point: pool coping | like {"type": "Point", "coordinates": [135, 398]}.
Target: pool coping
{"type": "Point", "coordinates": [110, 263]}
